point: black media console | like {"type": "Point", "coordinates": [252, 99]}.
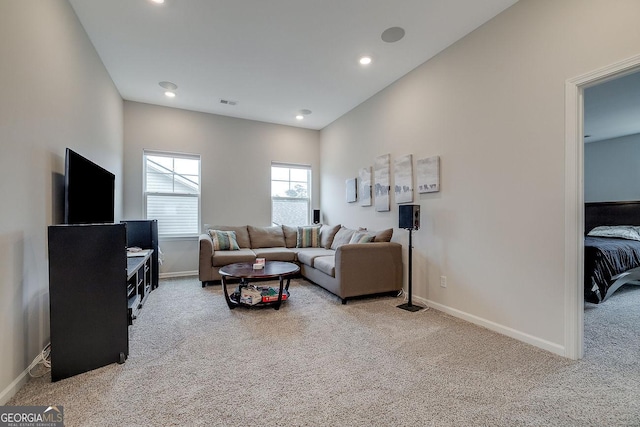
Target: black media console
{"type": "Point", "coordinates": [96, 291]}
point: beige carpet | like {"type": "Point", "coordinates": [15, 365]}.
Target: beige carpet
{"type": "Point", "coordinates": [319, 363]}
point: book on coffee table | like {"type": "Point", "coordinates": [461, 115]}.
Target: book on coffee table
{"type": "Point", "coordinates": [271, 295]}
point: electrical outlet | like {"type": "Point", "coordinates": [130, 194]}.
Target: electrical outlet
{"type": "Point", "coordinates": [443, 281]}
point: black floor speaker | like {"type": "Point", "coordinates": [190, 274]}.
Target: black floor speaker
{"type": "Point", "coordinates": [409, 217]}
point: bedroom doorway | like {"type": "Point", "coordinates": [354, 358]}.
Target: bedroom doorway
{"type": "Point", "coordinates": [575, 197]}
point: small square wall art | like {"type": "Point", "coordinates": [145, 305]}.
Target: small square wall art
{"type": "Point", "coordinates": [428, 171]}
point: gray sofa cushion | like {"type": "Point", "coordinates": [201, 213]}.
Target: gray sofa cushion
{"type": "Point", "coordinates": [307, 255]}
{"type": "Point", "coordinates": [326, 264]}
{"type": "Point", "coordinates": [266, 237]}
{"type": "Point", "coordinates": [290, 236]}
{"type": "Point", "coordinates": [342, 237]}
{"type": "Point", "coordinates": [275, 254]}
{"type": "Point", "coordinates": [242, 234]}
{"type": "Point", "coordinates": [221, 258]}
{"type": "Point", "coordinates": [384, 235]}
{"type": "Point", "coordinates": [362, 237]}
{"type": "Point", "coordinates": [327, 234]}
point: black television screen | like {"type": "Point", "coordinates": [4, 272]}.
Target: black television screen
{"type": "Point", "coordinates": [89, 191]}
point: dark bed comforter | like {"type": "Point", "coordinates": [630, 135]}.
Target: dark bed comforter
{"type": "Point", "coordinates": [604, 258]}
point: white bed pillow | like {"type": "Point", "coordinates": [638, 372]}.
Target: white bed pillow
{"type": "Point", "coordinates": [628, 232]}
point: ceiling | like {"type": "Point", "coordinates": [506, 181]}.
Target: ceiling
{"type": "Point", "coordinates": [272, 57]}
{"type": "Point", "coordinates": [612, 109]}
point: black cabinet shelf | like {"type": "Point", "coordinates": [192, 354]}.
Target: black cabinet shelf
{"type": "Point", "coordinates": [139, 280]}
{"type": "Point", "coordinates": [95, 292]}
{"type": "Point", "coordinates": [143, 233]}
{"type": "Point", "coordinates": [87, 297]}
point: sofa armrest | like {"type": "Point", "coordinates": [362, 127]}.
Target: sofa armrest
{"type": "Point", "coordinates": [206, 255]}
{"type": "Point", "coordinates": [368, 268]}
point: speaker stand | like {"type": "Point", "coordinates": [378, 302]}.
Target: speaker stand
{"type": "Point", "coordinates": [408, 305]}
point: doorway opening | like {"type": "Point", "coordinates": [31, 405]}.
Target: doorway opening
{"type": "Point", "coordinates": [575, 197]}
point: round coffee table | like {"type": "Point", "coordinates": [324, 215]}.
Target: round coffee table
{"type": "Point", "coordinates": [245, 271]}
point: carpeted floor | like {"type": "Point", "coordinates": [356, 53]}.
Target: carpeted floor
{"type": "Point", "coordinates": [316, 362]}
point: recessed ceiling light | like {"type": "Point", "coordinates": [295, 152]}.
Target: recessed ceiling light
{"type": "Point", "coordinates": [392, 35]}
{"type": "Point", "coordinates": [302, 113]}
{"type": "Point", "coordinates": [168, 86]}
{"type": "Point", "coordinates": [157, 1]}
{"type": "Point", "coordinates": [170, 89]}
{"type": "Point", "coordinates": [365, 60]}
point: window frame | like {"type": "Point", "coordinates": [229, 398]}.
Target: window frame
{"type": "Point", "coordinates": [300, 166]}
{"type": "Point", "coordinates": [173, 155]}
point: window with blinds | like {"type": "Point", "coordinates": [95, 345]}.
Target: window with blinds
{"type": "Point", "coordinates": [172, 192]}
{"type": "Point", "coordinates": [290, 194]}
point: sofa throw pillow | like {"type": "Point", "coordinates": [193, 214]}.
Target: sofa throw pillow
{"type": "Point", "coordinates": [383, 235]}
{"type": "Point", "coordinates": [308, 237]}
{"type": "Point", "coordinates": [361, 237]}
{"type": "Point", "coordinates": [290, 235]}
{"type": "Point", "coordinates": [327, 233]}
{"type": "Point", "coordinates": [242, 234]}
{"type": "Point", "coordinates": [224, 240]}
{"type": "Point", "coordinates": [342, 237]}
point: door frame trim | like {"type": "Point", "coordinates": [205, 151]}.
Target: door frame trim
{"type": "Point", "coordinates": [574, 198]}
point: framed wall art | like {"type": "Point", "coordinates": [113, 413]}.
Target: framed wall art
{"type": "Point", "coordinates": [381, 176]}
{"type": "Point", "coordinates": [365, 186]}
{"type": "Point", "coordinates": [428, 172]}
{"type": "Point", "coordinates": [352, 190]}
{"type": "Point", "coordinates": [403, 179]}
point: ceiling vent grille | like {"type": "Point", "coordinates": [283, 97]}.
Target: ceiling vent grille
{"type": "Point", "coordinates": [228, 102]}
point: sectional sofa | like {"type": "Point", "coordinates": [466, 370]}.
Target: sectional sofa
{"type": "Point", "coordinates": [346, 262]}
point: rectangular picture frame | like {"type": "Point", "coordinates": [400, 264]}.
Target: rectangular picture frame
{"type": "Point", "coordinates": [428, 173]}
{"type": "Point", "coordinates": [352, 190]}
{"type": "Point", "coordinates": [365, 186]}
{"type": "Point", "coordinates": [381, 175]}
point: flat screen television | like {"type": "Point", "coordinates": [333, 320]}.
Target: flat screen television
{"type": "Point", "coordinates": [89, 191]}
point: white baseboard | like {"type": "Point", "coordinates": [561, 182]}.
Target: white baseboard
{"type": "Point", "coordinates": [178, 274]}
{"type": "Point", "coordinates": [501, 329]}
{"type": "Point", "coordinates": [13, 388]}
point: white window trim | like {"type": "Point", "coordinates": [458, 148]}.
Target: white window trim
{"type": "Point", "coordinates": [302, 166]}
{"type": "Point", "coordinates": [173, 154]}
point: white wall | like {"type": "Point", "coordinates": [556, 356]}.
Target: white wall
{"type": "Point", "coordinates": [236, 156]}
{"type": "Point", "coordinates": [492, 106]}
{"type": "Point", "coordinates": [55, 94]}
{"type": "Point", "coordinates": [612, 169]}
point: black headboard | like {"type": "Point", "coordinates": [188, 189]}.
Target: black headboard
{"type": "Point", "coordinates": [611, 213]}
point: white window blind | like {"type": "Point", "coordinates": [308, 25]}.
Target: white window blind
{"type": "Point", "coordinates": [172, 192]}
{"type": "Point", "coordinates": [290, 194]}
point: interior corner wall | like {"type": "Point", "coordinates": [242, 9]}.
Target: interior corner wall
{"type": "Point", "coordinates": [612, 169]}
{"type": "Point", "coordinates": [56, 93]}
{"type": "Point", "coordinates": [236, 156]}
{"type": "Point", "coordinates": [492, 107]}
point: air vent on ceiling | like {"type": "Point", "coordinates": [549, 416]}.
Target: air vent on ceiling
{"type": "Point", "coordinates": [228, 102]}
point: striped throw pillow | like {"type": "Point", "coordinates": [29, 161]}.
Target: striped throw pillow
{"type": "Point", "coordinates": [308, 237]}
{"type": "Point", "coordinates": [224, 240]}
{"type": "Point", "coordinates": [361, 237]}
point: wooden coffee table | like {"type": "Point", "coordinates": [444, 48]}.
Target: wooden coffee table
{"type": "Point", "coordinates": [245, 272]}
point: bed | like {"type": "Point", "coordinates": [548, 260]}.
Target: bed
{"type": "Point", "coordinates": [611, 262]}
